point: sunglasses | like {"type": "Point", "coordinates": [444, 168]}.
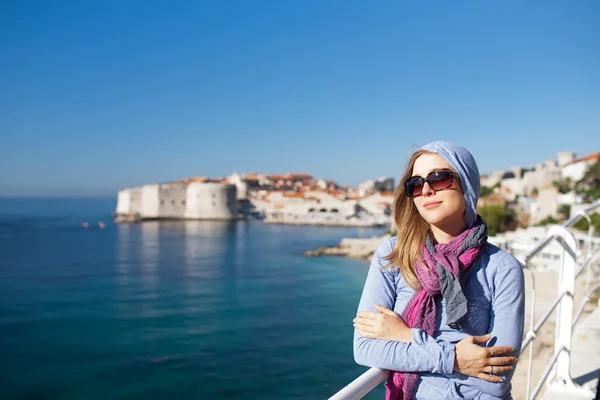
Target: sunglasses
{"type": "Point", "coordinates": [438, 180]}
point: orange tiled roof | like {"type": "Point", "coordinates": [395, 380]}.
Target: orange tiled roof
{"type": "Point", "coordinates": [387, 194]}
{"type": "Point", "coordinates": [299, 176]}
{"type": "Point", "coordinates": [293, 195]}
{"type": "Point", "coordinates": [589, 157]}
{"type": "Point", "coordinates": [198, 179]}
{"type": "Point", "coordinates": [275, 177]}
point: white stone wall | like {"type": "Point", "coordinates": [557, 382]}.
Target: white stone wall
{"type": "Point", "coordinates": [565, 157]}
{"type": "Point", "coordinates": [372, 203]}
{"type": "Point", "coordinates": [323, 196]}
{"type": "Point", "coordinates": [546, 204]}
{"type": "Point", "coordinates": [366, 187]}
{"type": "Point", "coordinates": [345, 209]}
{"type": "Point", "coordinates": [211, 201]}
{"type": "Point", "coordinates": [135, 200]}
{"type": "Point", "coordinates": [569, 198]}
{"type": "Point", "coordinates": [150, 201]}
{"type": "Point", "coordinates": [493, 179]}
{"type": "Point", "coordinates": [517, 186]}
{"type": "Point", "coordinates": [172, 198]}
{"type": "Point", "coordinates": [123, 202]}
{"type": "Point", "coordinates": [575, 171]}
{"type": "Point", "coordinates": [261, 206]}
{"type": "Point", "coordinates": [541, 177]}
{"type": "Point", "coordinates": [240, 184]}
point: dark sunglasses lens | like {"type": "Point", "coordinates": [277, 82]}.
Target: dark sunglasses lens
{"type": "Point", "coordinates": [413, 187]}
{"type": "Point", "coordinates": [440, 180]}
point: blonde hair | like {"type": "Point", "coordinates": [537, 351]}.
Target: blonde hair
{"type": "Point", "coordinates": [412, 230]}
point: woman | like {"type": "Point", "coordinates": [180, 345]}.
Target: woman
{"type": "Point", "coordinates": [436, 294]}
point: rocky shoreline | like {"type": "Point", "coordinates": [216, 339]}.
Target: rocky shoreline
{"type": "Point", "coordinates": [359, 248]}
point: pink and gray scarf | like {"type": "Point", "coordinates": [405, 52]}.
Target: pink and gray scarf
{"type": "Point", "coordinates": [442, 275]}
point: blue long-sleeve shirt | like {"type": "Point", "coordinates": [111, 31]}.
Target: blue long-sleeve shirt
{"type": "Point", "coordinates": [494, 288]}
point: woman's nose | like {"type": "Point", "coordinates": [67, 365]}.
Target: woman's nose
{"type": "Point", "coordinates": [427, 190]}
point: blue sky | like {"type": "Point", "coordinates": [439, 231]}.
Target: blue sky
{"type": "Point", "coordinates": [99, 95]}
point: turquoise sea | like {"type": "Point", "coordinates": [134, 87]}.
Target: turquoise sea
{"type": "Point", "coordinates": [171, 310]}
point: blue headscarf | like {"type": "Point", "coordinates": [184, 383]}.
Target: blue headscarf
{"type": "Point", "coordinates": [462, 161]}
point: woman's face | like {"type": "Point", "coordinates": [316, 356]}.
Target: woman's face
{"type": "Point", "coordinates": [446, 207]}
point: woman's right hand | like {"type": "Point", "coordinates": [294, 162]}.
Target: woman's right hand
{"type": "Point", "coordinates": [480, 362]}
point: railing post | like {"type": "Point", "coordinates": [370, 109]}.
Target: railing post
{"type": "Point", "coordinates": [564, 317]}
{"type": "Point", "coordinates": [561, 380]}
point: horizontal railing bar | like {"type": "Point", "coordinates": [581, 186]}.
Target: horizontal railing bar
{"type": "Point", "coordinates": [586, 299]}
{"type": "Point", "coordinates": [575, 218]}
{"type": "Point", "coordinates": [538, 387]}
{"type": "Point", "coordinates": [361, 385]}
{"type": "Point", "coordinates": [587, 262]}
{"type": "Point", "coordinates": [537, 249]}
{"type": "Point", "coordinates": [540, 323]}
{"type": "Point", "coordinates": [543, 319]}
{"type": "Point", "coordinates": [571, 221]}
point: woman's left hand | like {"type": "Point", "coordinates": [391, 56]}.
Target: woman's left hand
{"type": "Point", "coordinates": [384, 324]}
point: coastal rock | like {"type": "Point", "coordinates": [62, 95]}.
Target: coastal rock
{"type": "Point", "coordinates": [360, 248]}
{"type": "Point", "coordinates": [326, 251]}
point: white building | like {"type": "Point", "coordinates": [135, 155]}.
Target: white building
{"type": "Point", "coordinates": [150, 202]}
{"type": "Point", "coordinates": [240, 184]}
{"type": "Point", "coordinates": [378, 204]}
{"type": "Point", "coordinates": [179, 200]}
{"type": "Point", "coordinates": [577, 168]}
{"type": "Point", "coordinates": [523, 182]}
{"type": "Point", "coordinates": [546, 204]}
{"type": "Point", "coordinates": [211, 201]}
{"type": "Point", "coordinates": [304, 203]}
{"type": "Point", "coordinates": [569, 198]}
{"type": "Point", "coordinates": [383, 184]}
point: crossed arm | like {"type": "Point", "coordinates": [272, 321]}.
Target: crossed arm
{"type": "Point", "coordinates": [399, 348]}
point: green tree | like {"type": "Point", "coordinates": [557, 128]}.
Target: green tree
{"type": "Point", "coordinates": [589, 186]}
{"type": "Point", "coordinates": [550, 220]}
{"type": "Point", "coordinates": [496, 218]}
{"type": "Point", "coordinates": [564, 211]}
{"type": "Point", "coordinates": [485, 190]}
{"type": "Point", "coordinates": [564, 185]}
{"type": "Point", "coordinates": [592, 175]}
{"type": "Point", "coordinates": [583, 224]}
{"type": "Point", "coordinates": [534, 192]}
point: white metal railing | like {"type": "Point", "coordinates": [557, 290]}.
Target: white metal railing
{"type": "Point", "coordinates": [560, 362]}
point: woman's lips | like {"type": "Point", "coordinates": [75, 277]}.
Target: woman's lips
{"type": "Point", "coordinates": [432, 204]}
